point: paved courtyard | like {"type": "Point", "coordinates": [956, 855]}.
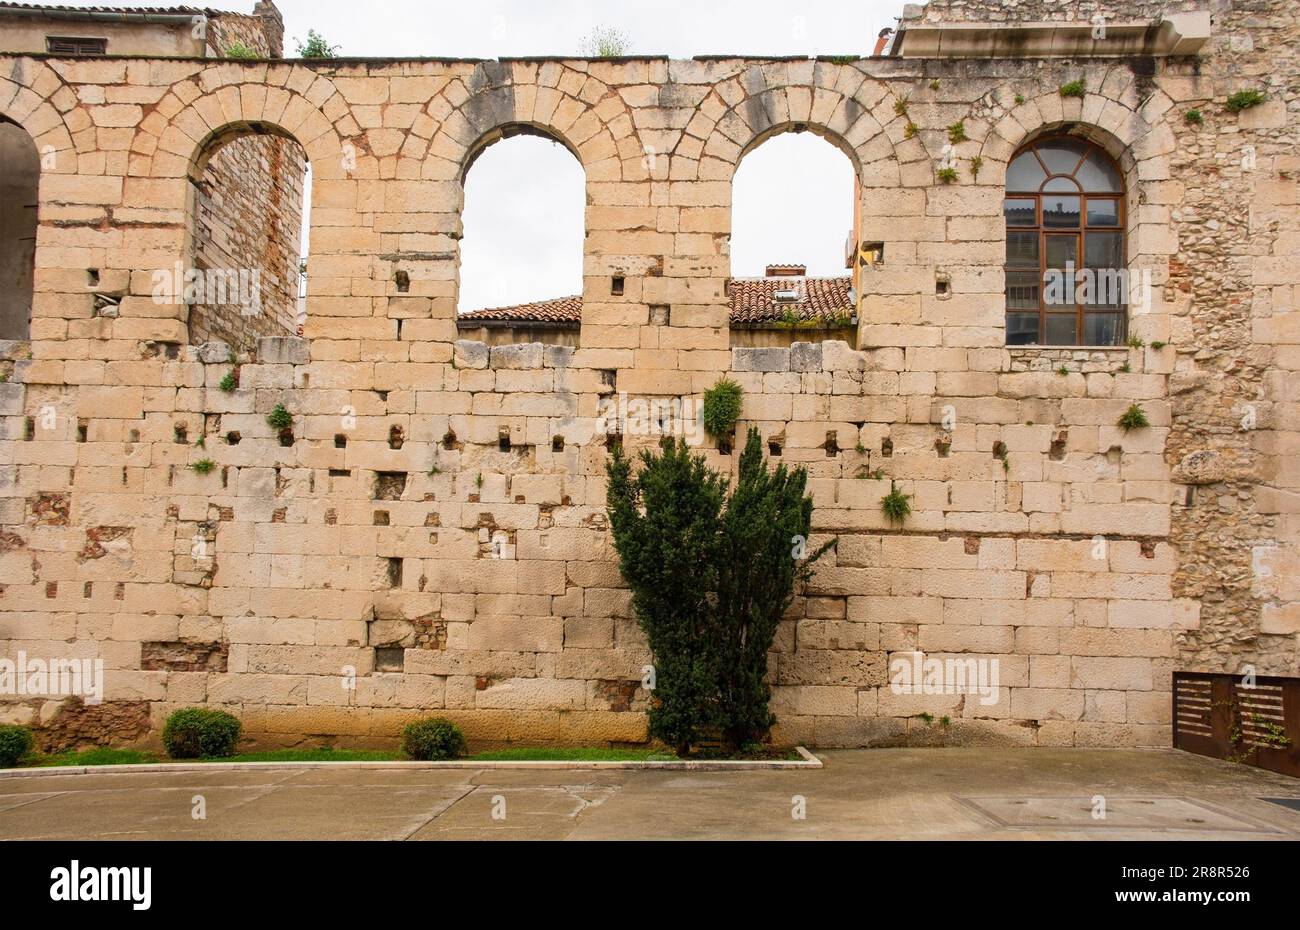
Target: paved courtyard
{"type": "Point", "coordinates": [860, 794]}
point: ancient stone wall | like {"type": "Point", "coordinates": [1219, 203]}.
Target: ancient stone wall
{"type": "Point", "coordinates": [429, 535]}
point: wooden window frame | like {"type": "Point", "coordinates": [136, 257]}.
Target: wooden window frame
{"type": "Point", "coordinates": [81, 46]}
{"type": "Point", "coordinates": [1080, 234]}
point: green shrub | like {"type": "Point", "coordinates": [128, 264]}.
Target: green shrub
{"type": "Point", "coordinates": [1244, 100]}
{"type": "Point", "coordinates": [957, 132]}
{"type": "Point", "coordinates": [15, 742]}
{"type": "Point", "coordinates": [722, 408]}
{"type": "Point", "coordinates": [606, 42]}
{"type": "Point", "coordinates": [229, 382]}
{"type": "Point", "coordinates": [976, 163]}
{"type": "Point", "coordinates": [1134, 418]}
{"type": "Point", "coordinates": [1073, 89]}
{"type": "Point", "coordinates": [896, 506]}
{"type": "Point", "coordinates": [199, 732]}
{"type": "Point", "coordinates": [947, 175]}
{"type": "Point", "coordinates": [1193, 117]}
{"type": "Point", "coordinates": [240, 51]}
{"type": "Point", "coordinates": [316, 47]}
{"type": "Point", "coordinates": [910, 130]}
{"type": "Point", "coordinates": [900, 106]}
{"type": "Point", "coordinates": [432, 739]}
{"type": "Point", "coordinates": [203, 466]}
{"type": "Point", "coordinates": [279, 418]}
{"type": "Point", "coordinates": [711, 574]}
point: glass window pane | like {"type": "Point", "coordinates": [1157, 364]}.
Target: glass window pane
{"type": "Point", "coordinates": [1022, 291]}
{"type": "Point", "coordinates": [1022, 249]}
{"type": "Point", "coordinates": [1103, 212]}
{"type": "Point", "coordinates": [1098, 173]}
{"type": "Point", "coordinates": [1022, 329]}
{"type": "Point", "coordinates": [1025, 173]}
{"type": "Point", "coordinates": [1061, 156]}
{"type": "Point", "coordinates": [1103, 329]}
{"type": "Point", "coordinates": [1021, 212]}
{"type": "Point", "coordinates": [1060, 211]}
{"type": "Point", "coordinates": [1062, 249]}
{"type": "Point", "coordinates": [1103, 250]}
{"type": "Point", "coordinates": [1060, 330]}
{"type": "Point", "coordinates": [1061, 185]}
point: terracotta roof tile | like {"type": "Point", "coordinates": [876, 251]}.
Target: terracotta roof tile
{"type": "Point", "coordinates": [753, 302]}
{"type": "Point", "coordinates": [129, 10]}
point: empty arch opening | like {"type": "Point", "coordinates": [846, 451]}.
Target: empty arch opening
{"type": "Point", "coordinates": [20, 170]}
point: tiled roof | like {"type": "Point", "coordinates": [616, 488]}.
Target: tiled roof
{"type": "Point", "coordinates": [559, 310]}
{"type": "Point", "coordinates": [753, 302]}
{"type": "Point", "coordinates": [129, 10]}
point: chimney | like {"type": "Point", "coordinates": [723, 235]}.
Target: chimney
{"type": "Point", "coordinates": [272, 26]}
{"type": "Point", "coordinates": [787, 271]}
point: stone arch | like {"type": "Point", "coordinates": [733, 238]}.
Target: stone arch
{"type": "Point", "coordinates": [35, 97]}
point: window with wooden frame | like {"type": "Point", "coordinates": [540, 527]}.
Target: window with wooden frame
{"type": "Point", "coordinates": [74, 47]}
{"type": "Point", "coordinates": [1066, 257]}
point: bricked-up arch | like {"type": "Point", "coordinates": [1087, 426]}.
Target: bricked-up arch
{"type": "Point", "coordinates": [243, 234]}
{"type": "Point", "coordinates": [20, 170]}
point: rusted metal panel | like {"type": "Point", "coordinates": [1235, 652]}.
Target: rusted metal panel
{"type": "Point", "coordinates": [1223, 716]}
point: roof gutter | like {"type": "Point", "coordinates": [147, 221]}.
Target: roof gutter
{"type": "Point", "coordinates": [104, 16]}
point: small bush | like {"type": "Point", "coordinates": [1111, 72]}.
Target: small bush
{"type": "Point", "coordinates": [198, 732]}
{"type": "Point", "coordinates": [15, 742]}
{"type": "Point", "coordinates": [900, 106]}
{"type": "Point", "coordinates": [433, 739]}
{"type": "Point", "coordinates": [1134, 418]}
{"type": "Point", "coordinates": [909, 130]}
{"type": "Point", "coordinates": [722, 408]}
{"type": "Point", "coordinates": [279, 418]}
{"type": "Point", "coordinates": [896, 506]}
{"type": "Point", "coordinates": [240, 51]}
{"type": "Point", "coordinates": [606, 42]}
{"type": "Point", "coordinates": [204, 466]}
{"type": "Point", "coordinates": [1020, 98]}
{"type": "Point", "coordinates": [957, 132]}
{"type": "Point", "coordinates": [947, 175]}
{"type": "Point", "coordinates": [1073, 89]}
{"type": "Point", "coordinates": [976, 163]}
{"type": "Point", "coordinates": [229, 382]}
{"type": "Point", "coordinates": [317, 47]}
{"type": "Point", "coordinates": [1193, 117]}
{"type": "Point", "coordinates": [1244, 100]}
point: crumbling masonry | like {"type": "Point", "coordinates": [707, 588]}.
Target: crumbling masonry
{"type": "Point", "coordinates": [429, 534]}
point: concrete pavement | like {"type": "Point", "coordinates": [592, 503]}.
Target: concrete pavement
{"type": "Point", "coordinates": [958, 793]}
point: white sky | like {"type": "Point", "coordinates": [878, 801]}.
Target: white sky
{"type": "Point", "coordinates": [524, 198]}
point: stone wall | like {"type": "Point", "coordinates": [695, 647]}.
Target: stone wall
{"type": "Point", "coordinates": [430, 534]}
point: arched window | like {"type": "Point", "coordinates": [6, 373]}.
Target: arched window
{"type": "Point", "coordinates": [20, 169]}
{"type": "Point", "coordinates": [1066, 263]}
{"type": "Point", "coordinates": [521, 250]}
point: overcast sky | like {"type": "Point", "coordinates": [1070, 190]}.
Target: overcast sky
{"type": "Point", "coordinates": [524, 196]}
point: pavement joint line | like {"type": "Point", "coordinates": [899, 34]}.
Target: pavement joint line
{"type": "Point", "coordinates": [807, 761]}
{"type": "Point", "coordinates": [439, 812]}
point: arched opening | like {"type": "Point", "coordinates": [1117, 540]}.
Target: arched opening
{"type": "Point", "coordinates": [521, 250]}
{"type": "Point", "coordinates": [1067, 255]}
{"type": "Point", "coordinates": [792, 235]}
{"type": "Point", "coordinates": [20, 172]}
{"type": "Point", "coordinates": [248, 212]}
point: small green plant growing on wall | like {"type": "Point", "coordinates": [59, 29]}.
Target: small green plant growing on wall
{"type": "Point", "coordinates": [900, 106]}
{"type": "Point", "coordinates": [1073, 89]}
{"type": "Point", "coordinates": [722, 408]}
{"type": "Point", "coordinates": [926, 717]}
{"type": "Point", "coordinates": [1193, 117]}
{"type": "Point", "coordinates": [203, 466]}
{"type": "Point", "coordinates": [279, 418]}
{"type": "Point", "coordinates": [478, 481]}
{"type": "Point", "coordinates": [947, 175]}
{"type": "Point", "coordinates": [1244, 100]}
{"type": "Point", "coordinates": [316, 47]}
{"type": "Point", "coordinates": [1019, 98]}
{"type": "Point", "coordinates": [896, 506]}
{"type": "Point", "coordinates": [957, 132]}
{"type": "Point", "coordinates": [229, 382]}
{"type": "Point", "coordinates": [976, 163]}
{"type": "Point", "coordinates": [1158, 345]}
{"type": "Point", "coordinates": [1125, 368]}
{"type": "Point", "coordinates": [1136, 342]}
{"type": "Point", "coordinates": [909, 130]}
{"type": "Point", "coordinates": [1062, 371]}
{"type": "Point", "coordinates": [606, 42]}
{"type": "Point", "coordinates": [240, 52]}
{"type": "Point", "coordinates": [1134, 418]}
{"type": "Point", "coordinates": [934, 85]}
